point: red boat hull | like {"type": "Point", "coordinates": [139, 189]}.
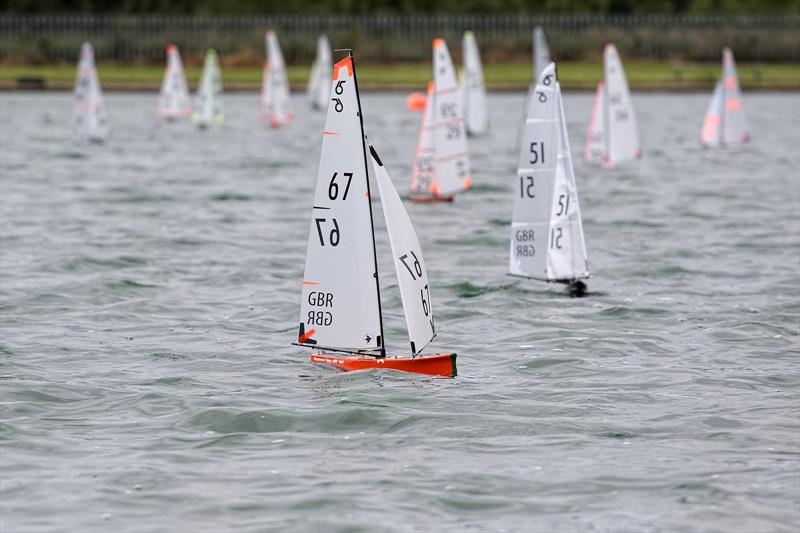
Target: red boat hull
{"type": "Point", "coordinates": [440, 364]}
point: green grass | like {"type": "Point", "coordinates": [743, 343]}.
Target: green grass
{"type": "Point", "coordinates": [641, 74]}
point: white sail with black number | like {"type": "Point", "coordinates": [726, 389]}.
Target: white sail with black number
{"type": "Point", "coordinates": [320, 78]}
{"type": "Point", "coordinates": [422, 170]}
{"type": "Point", "coordinates": [546, 231]}
{"type": "Point", "coordinates": [451, 160]}
{"type": "Point", "coordinates": [725, 123]}
{"type": "Point", "coordinates": [340, 307]}
{"type": "Point", "coordinates": [411, 274]}
{"type": "Point", "coordinates": [89, 118]}
{"type": "Point", "coordinates": [476, 115]}
{"type": "Point", "coordinates": [275, 106]}
{"type": "Point", "coordinates": [207, 108]}
{"type": "Point", "coordinates": [173, 99]}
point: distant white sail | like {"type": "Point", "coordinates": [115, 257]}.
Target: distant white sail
{"type": "Point", "coordinates": [275, 106]}
{"type": "Point", "coordinates": [208, 102]}
{"type": "Point", "coordinates": [541, 53]}
{"type": "Point", "coordinates": [89, 119]}
{"type": "Point", "coordinates": [340, 306]}
{"type": "Point", "coordinates": [595, 148]}
{"type": "Point", "coordinates": [173, 100]}
{"type": "Point", "coordinates": [620, 133]}
{"type": "Point", "coordinates": [422, 170]}
{"type": "Point", "coordinates": [476, 115]}
{"type": "Point", "coordinates": [451, 159]}
{"type": "Point", "coordinates": [546, 231]}
{"type": "Point", "coordinates": [409, 265]}
{"type": "Point", "coordinates": [725, 123]}
{"type": "Point", "coordinates": [320, 78]}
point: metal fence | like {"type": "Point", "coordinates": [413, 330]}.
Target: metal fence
{"type": "Point", "coordinates": [398, 37]}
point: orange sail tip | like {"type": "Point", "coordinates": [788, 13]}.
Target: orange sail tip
{"type": "Point", "coordinates": [440, 364]}
{"type": "Point", "coordinates": [347, 63]}
{"type": "Point", "coordinates": [431, 86]}
{"type": "Point", "coordinates": [307, 335]}
{"type": "Point", "coordinates": [416, 101]}
{"type": "Point", "coordinates": [438, 42]}
{"type": "Point", "coordinates": [171, 48]}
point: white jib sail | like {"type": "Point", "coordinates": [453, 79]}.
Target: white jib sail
{"type": "Point", "coordinates": [89, 118]}
{"type": "Point", "coordinates": [208, 102]}
{"type": "Point", "coordinates": [546, 231]}
{"type": "Point", "coordinates": [476, 115]}
{"type": "Point", "coordinates": [412, 277]}
{"type": "Point", "coordinates": [422, 171]}
{"type": "Point", "coordinates": [173, 100]}
{"type": "Point", "coordinates": [275, 107]}
{"type": "Point", "coordinates": [595, 148]}
{"type": "Point", "coordinates": [711, 134]}
{"type": "Point", "coordinates": [451, 159]}
{"type": "Point", "coordinates": [340, 307]}
{"type": "Point", "coordinates": [622, 133]}
{"type": "Point", "coordinates": [320, 79]}
{"type": "Point", "coordinates": [734, 123]}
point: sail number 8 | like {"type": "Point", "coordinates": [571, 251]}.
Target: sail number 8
{"type": "Point", "coordinates": [338, 106]}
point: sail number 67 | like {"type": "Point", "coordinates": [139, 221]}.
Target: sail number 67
{"type": "Point", "coordinates": [333, 237]}
{"type": "Point", "coordinates": [333, 187]}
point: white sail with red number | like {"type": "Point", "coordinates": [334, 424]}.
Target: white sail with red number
{"type": "Point", "coordinates": [89, 118]}
{"type": "Point", "coordinates": [340, 307]}
{"type": "Point", "coordinates": [275, 106]}
{"type": "Point", "coordinates": [546, 230]}
{"type": "Point", "coordinates": [320, 79]}
{"type": "Point", "coordinates": [620, 134]}
{"type": "Point", "coordinates": [725, 123]}
{"type": "Point", "coordinates": [422, 170]}
{"type": "Point", "coordinates": [410, 268]}
{"type": "Point", "coordinates": [451, 159]}
{"type": "Point", "coordinates": [207, 108]}
{"type": "Point", "coordinates": [476, 115]}
{"type": "Point", "coordinates": [173, 100]}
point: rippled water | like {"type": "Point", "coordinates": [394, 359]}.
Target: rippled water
{"type": "Point", "coordinates": [150, 291]}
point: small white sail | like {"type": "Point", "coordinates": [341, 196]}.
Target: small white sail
{"type": "Point", "coordinates": [412, 277]}
{"type": "Point", "coordinates": [89, 118]}
{"type": "Point", "coordinates": [451, 159]}
{"type": "Point", "coordinates": [725, 123]}
{"type": "Point", "coordinates": [476, 115]}
{"type": "Point", "coordinates": [622, 139]}
{"type": "Point", "coordinates": [275, 106]}
{"type": "Point", "coordinates": [208, 103]}
{"type": "Point", "coordinates": [595, 148]}
{"type": "Point", "coordinates": [320, 78]}
{"type": "Point", "coordinates": [173, 100]}
{"type": "Point", "coordinates": [711, 134]}
{"type": "Point", "coordinates": [422, 171]}
{"type": "Point", "coordinates": [546, 231]}
{"type": "Point", "coordinates": [340, 306]}
{"type": "Point", "coordinates": [541, 53]}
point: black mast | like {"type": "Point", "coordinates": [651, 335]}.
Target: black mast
{"type": "Point", "coordinates": [382, 341]}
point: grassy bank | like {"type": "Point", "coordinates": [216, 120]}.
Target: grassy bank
{"type": "Point", "coordinates": [584, 75]}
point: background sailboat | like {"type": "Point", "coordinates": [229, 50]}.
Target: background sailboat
{"type": "Point", "coordinates": [320, 78]}
{"type": "Point", "coordinates": [613, 136]}
{"type": "Point", "coordinates": [340, 313]}
{"type": "Point", "coordinates": [476, 115]}
{"type": "Point", "coordinates": [725, 123]}
{"type": "Point", "coordinates": [547, 240]}
{"type": "Point", "coordinates": [173, 100]}
{"type": "Point", "coordinates": [89, 118]}
{"type": "Point", "coordinates": [275, 106]}
{"type": "Point", "coordinates": [208, 102]}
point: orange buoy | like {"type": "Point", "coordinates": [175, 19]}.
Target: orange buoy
{"type": "Point", "coordinates": [416, 101]}
{"type": "Point", "coordinates": [440, 364]}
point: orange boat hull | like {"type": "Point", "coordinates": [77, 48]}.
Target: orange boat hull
{"type": "Point", "coordinates": [440, 364]}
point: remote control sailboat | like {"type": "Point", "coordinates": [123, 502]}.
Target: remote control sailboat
{"type": "Point", "coordinates": [89, 119]}
{"type": "Point", "coordinates": [546, 229]}
{"type": "Point", "coordinates": [476, 115]}
{"type": "Point", "coordinates": [320, 79]}
{"type": "Point", "coordinates": [173, 100]}
{"type": "Point", "coordinates": [443, 136]}
{"type": "Point", "coordinates": [208, 102]}
{"type": "Point", "coordinates": [725, 124]}
{"type": "Point", "coordinates": [340, 312]}
{"type": "Point", "coordinates": [275, 107]}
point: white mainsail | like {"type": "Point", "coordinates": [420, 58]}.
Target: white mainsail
{"type": "Point", "coordinates": [275, 106]}
{"type": "Point", "coordinates": [595, 148]}
{"type": "Point", "coordinates": [451, 159]}
{"type": "Point", "coordinates": [422, 170]}
{"type": "Point", "coordinates": [623, 133]}
{"type": "Point", "coordinates": [541, 54]}
{"type": "Point", "coordinates": [89, 118]}
{"type": "Point", "coordinates": [725, 123]}
{"type": "Point", "coordinates": [476, 115]}
{"type": "Point", "coordinates": [412, 277]}
{"type": "Point", "coordinates": [546, 231]}
{"type": "Point", "coordinates": [320, 79]}
{"type": "Point", "coordinates": [208, 102]}
{"type": "Point", "coordinates": [173, 100]}
{"type": "Point", "coordinates": [340, 307]}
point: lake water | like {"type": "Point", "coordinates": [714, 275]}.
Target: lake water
{"type": "Point", "coordinates": [150, 292]}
